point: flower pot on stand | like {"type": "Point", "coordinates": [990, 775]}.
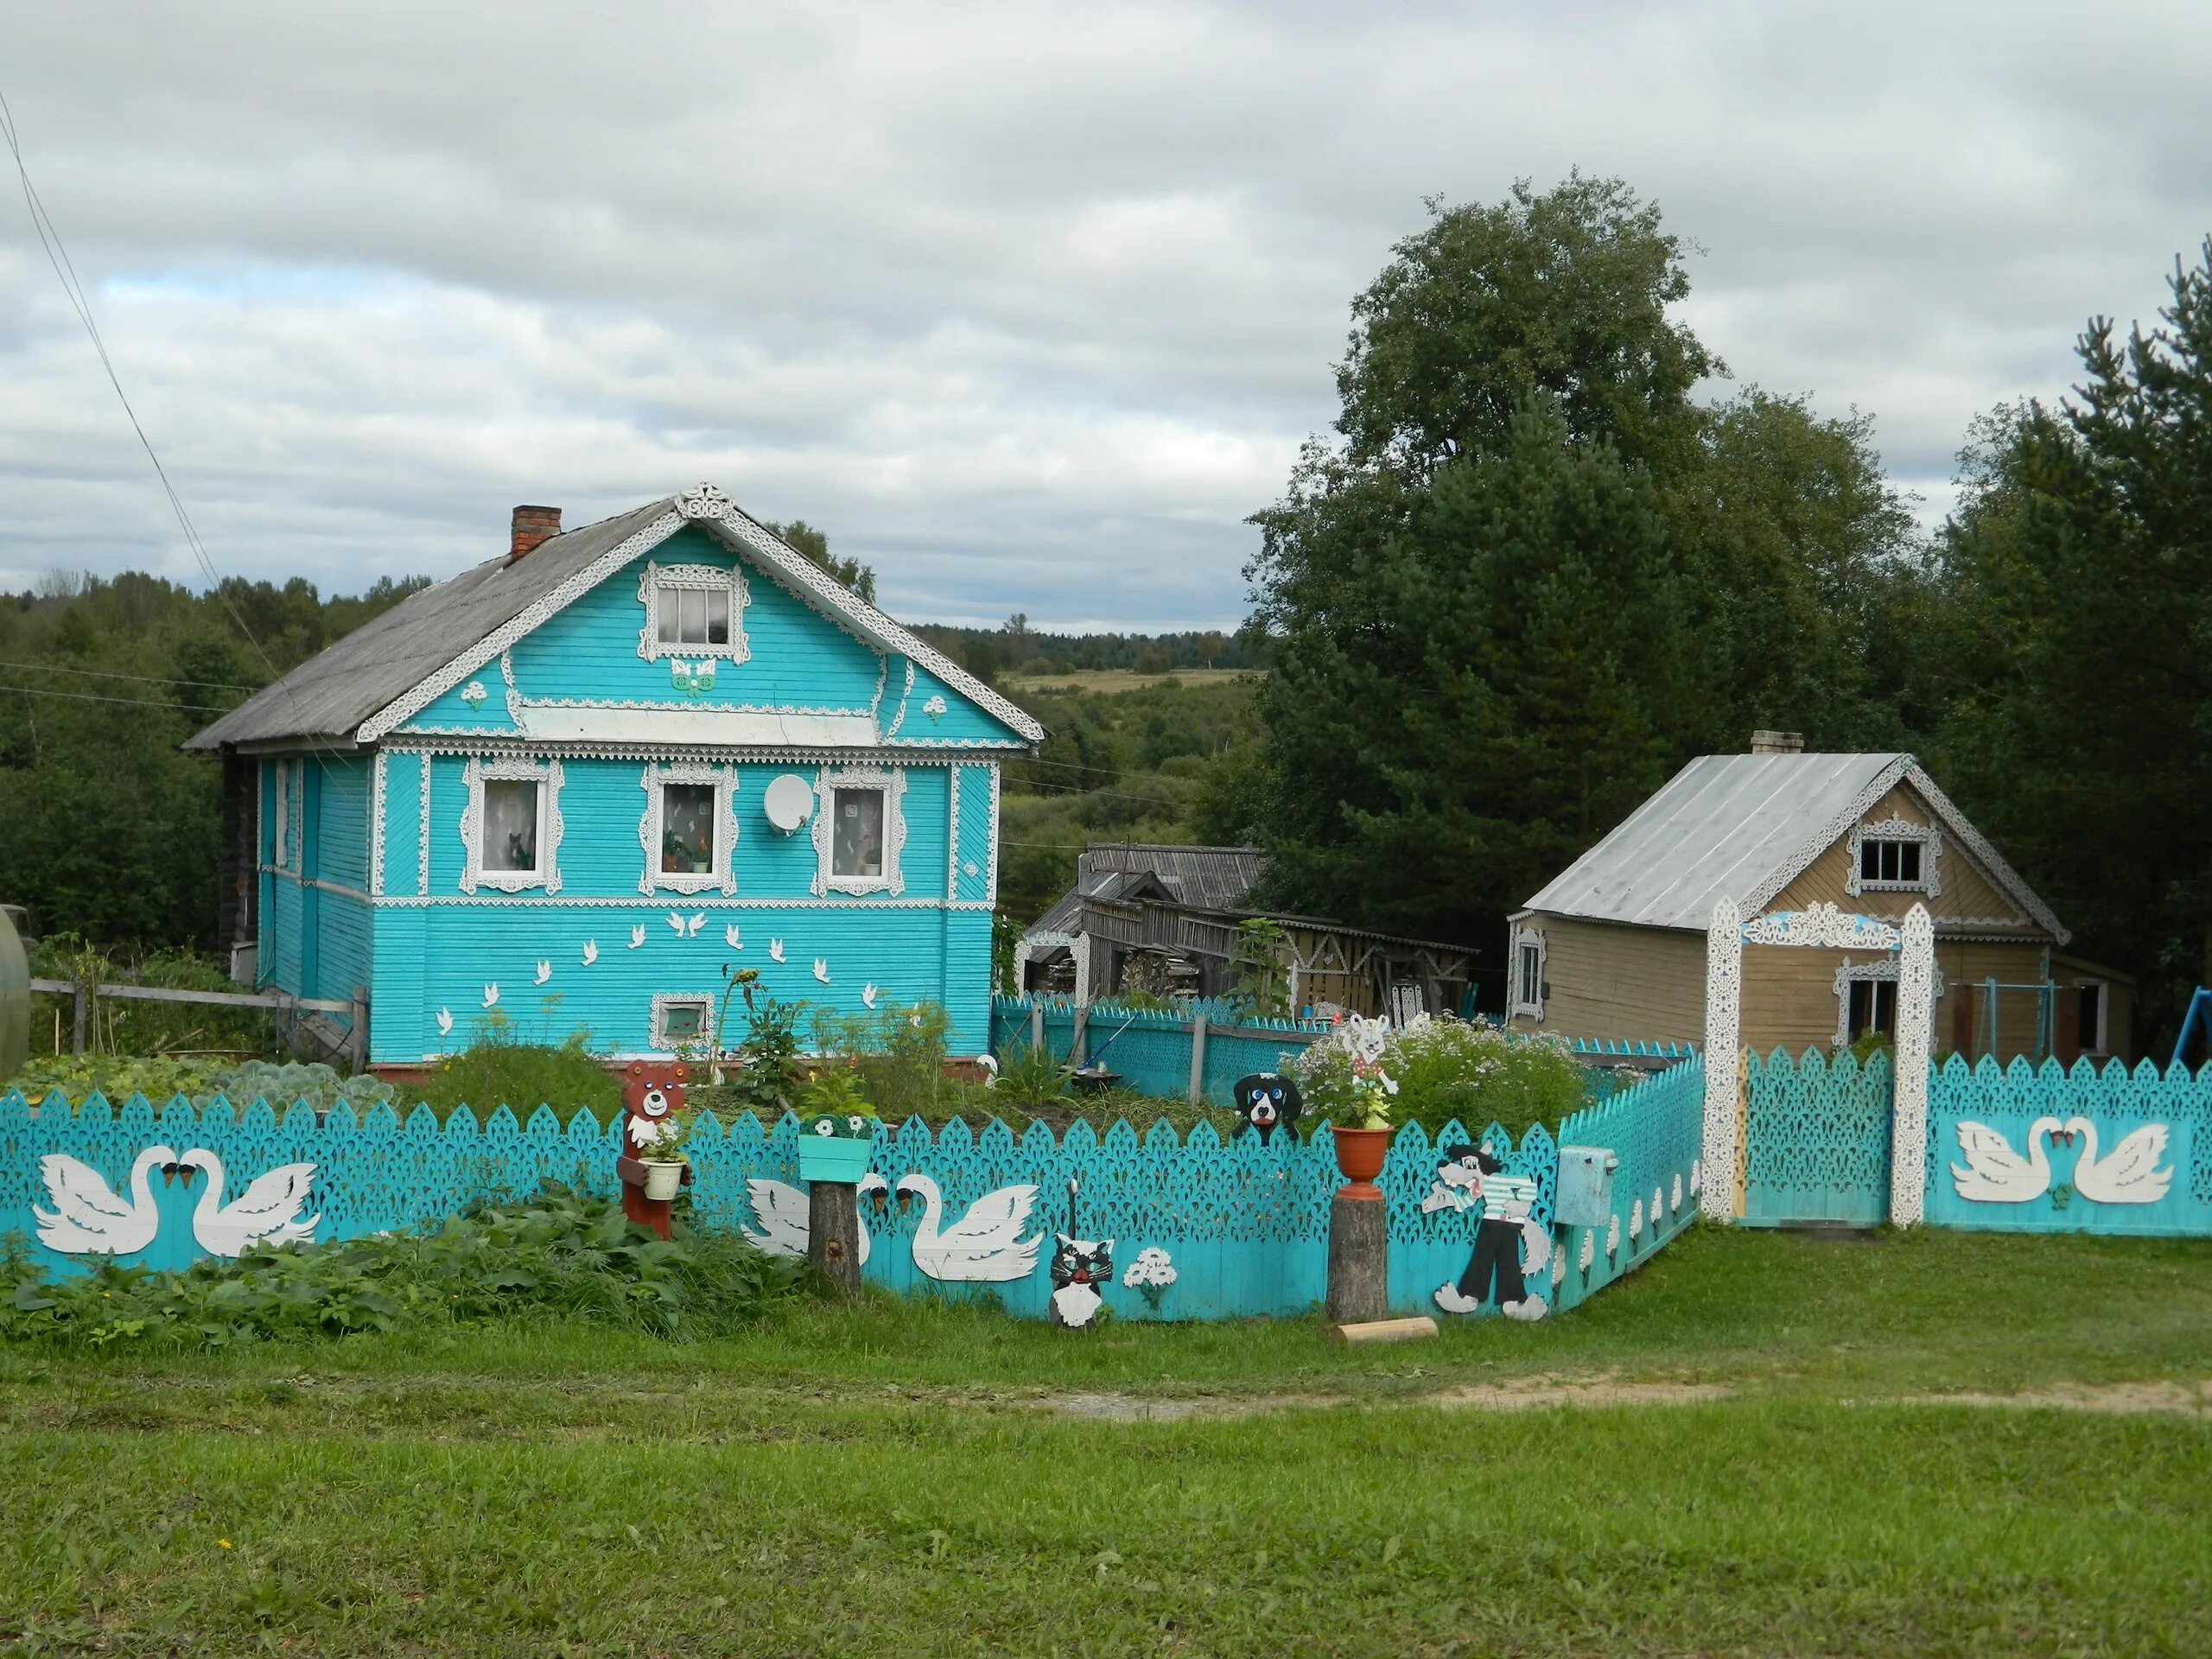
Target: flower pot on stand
{"type": "Point", "coordinates": [825, 1158]}
{"type": "Point", "coordinates": [1360, 1153]}
{"type": "Point", "coordinates": [664, 1178]}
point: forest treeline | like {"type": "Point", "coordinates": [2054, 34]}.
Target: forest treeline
{"type": "Point", "coordinates": [1550, 551]}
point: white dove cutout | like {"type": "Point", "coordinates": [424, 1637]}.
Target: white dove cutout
{"type": "Point", "coordinates": [775, 950]}
{"type": "Point", "coordinates": [2129, 1175]}
{"type": "Point", "coordinates": [491, 994]}
{"type": "Point", "coordinates": [87, 1217]}
{"type": "Point", "coordinates": [544, 972]}
{"type": "Point", "coordinates": [731, 937]}
{"type": "Point", "coordinates": [265, 1213]}
{"type": "Point", "coordinates": [676, 923]}
{"type": "Point", "coordinates": [445, 1022]}
{"type": "Point", "coordinates": [867, 995]}
{"type": "Point", "coordinates": [637, 937]}
{"type": "Point", "coordinates": [691, 928]}
{"type": "Point", "coordinates": [984, 1244]}
{"type": "Point", "coordinates": [822, 971]}
{"type": "Point", "coordinates": [591, 951]}
{"type": "Point", "coordinates": [1994, 1172]}
{"type": "Point", "coordinates": [785, 1219]}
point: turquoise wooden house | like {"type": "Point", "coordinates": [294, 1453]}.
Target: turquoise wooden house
{"type": "Point", "coordinates": [578, 783]}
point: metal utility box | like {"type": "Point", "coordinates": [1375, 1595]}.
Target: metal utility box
{"type": "Point", "coordinates": [1585, 1187]}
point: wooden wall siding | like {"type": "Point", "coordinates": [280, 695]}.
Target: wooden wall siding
{"type": "Point", "coordinates": [403, 818]}
{"type": "Point", "coordinates": [1968, 893]}
{"type": "Point", "coordinates": [975, 784]}
{"type": "Point", "coordinates": [342, 837]}
{"type": "Point", "coordinates": [344, 935]}
{"type": "Point", "coordinates": [1614, 982]}
{"type": "Point", "coordinates": [960, 723]}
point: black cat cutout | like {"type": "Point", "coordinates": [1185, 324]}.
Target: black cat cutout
{"type": "Point", "coordinates": [1266, 1101]}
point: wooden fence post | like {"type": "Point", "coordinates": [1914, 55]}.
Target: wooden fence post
{"type": "Point", "coordinates": [1076, 1038]}
{"type": "Point", "coordinates": [1037, 1026]}
{"type": "Point", "coordinates": [833, 1238]}
{"type": "Point", "coordinates": [1359, 1257]}
{"type": "Point", "coordinates": [1198, 1058]}
{"type": "Point", "coordinates": [358, 1046]}
{"type": "Point", "coordinates": [77, 1019]}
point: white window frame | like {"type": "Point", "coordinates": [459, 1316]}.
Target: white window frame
{"type": "Point", "coordinates": [546, 774]}
{"type": "Point", "coordinates": [2101, 1048]}
{"type": "Point", "coordinates": [723, 876]}
{"type": "Point", "coordinates": [1525, 939]}
{"type": "Point", "coordinates": [657, 579]}
{"type": "Point", "coordinates": [1852, 973]}
{"type": "Point", "coordinates": [1930, 840]}
{"type": "Point", "coordinates": [663, 1001]}
{"type": "Point", "coordinates": [285, 840]}
{"type": "Point", "coordinates": [892, 780]}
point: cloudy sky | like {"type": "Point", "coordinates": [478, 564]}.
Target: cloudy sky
{"type": "Point", "coordinates": [1030, 306]}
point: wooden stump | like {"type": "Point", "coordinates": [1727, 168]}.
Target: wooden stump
{"type": "Point", "coordinates": [833, 1239]}
{"type": "Point", "coordinates": [1359, 1255]}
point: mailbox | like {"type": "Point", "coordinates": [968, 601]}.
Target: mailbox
{"type": "Point", "coordinates": [1585, 1187]}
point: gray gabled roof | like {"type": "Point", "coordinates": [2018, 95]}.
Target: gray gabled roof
{"type": "Point", "coordinates": [380, 673]}
{"type": "Point", "coordinates": [328, 695]}
{"type": "Point", "coordinates": [1202, 878]}
{"type": "Point", "coordinates": [1744, 826]}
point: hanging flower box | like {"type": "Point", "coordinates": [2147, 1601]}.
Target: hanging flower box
{"type": "Point", "coordinates": [836, 1147]}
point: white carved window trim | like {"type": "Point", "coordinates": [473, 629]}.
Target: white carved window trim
{"type": "Point", "coordinates": [892, 781]}
{"type": "Point", "coordinates": [1857, 972]}
{"type": "Point", "coordinates": [546, 774]}
{"type": "Point", "coordinates": [724, 874]}
{"type": "Point", "coordinates": [1525, 939]}
{"type": "Point", "coordinates": [1893, 828]}
{"type": "Point", "coordinates": [657, 579]}
{"type": "Point", "coordinates": [659, 1038]}
{"type": "Point", "coordinates": [284, 838]}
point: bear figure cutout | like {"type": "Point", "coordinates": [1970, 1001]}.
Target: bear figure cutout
{"type": "Point", "coordinates": [652, 1093]}
{"type": "Point", "coordinates": [1268, 1101]}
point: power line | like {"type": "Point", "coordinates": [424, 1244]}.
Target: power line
{"type": "Point", "coordinates": [143, 679]}
{"type": "Point", "coordinates": [65, 271]}
{"type": "Point", "coordinates": [129, 703]}
{"type": "Point", "coordinates": [1118, 794]}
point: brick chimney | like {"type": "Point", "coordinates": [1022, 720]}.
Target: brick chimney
{"type": "Point", "coordinates": [531, 526]}
{"type": "Point", "coordinates": [1762, 742]}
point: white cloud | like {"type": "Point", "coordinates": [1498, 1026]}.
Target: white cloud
{"type": "Point", "coordinates": [1029, 307]}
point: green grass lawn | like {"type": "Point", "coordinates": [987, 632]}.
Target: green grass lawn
{"type": "Point", "coordinates": [888, 1479]}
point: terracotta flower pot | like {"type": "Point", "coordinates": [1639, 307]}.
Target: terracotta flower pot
{"type": "Point", "coordinates": [1359, 1155]}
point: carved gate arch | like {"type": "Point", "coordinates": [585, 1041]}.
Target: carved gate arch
{"type": "Point", "coordinates": [1823, 926]}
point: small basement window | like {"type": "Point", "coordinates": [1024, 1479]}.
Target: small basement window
{"type": "Point", "coordinates": [680, 1021]}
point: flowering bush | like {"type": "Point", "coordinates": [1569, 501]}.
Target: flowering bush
{"type": "Point", "coordinates": [1439, 1069]}
{"type": "Point", "coordinates": [1150, 1275]}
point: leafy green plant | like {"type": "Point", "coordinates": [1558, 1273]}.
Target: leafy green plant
{"type": "Point", "coordinates": [1868, 1044]}
{"type": "Point", "coordinates": [665, 1145]}
{"type": "Point", "coordinates": [1256, 967]}
{"type": "Point", "coordinates": [498, 1070]}
{"type": "Point", "coordinates": [573, 1257]}
{"type": "Point", "coordinates": [1448, 1069]}
{"type": "Point", "coordinates": [1029, 1076]}
{"type": "Point", "coordinates": [768, 1071]}
{"type": "Point", "coordinates": [899, 1052]}
{"type": "Point", "coordinates": [281, 1085]}
{"type": "Point", "coordinates": [833, 1096]}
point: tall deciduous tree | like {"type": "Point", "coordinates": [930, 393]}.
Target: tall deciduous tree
{"type": "Point", "coordinates": [1532, 574]}
{"type": "Point", "coordinates": [2076, 660]}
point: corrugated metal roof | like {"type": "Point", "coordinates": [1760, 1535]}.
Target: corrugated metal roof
{"type": "Point", "coordinates": [333, 691]}
{"type": "Point", "coordinates": [1725, 824]}
{"type": "Point", "coordinates": [1205, 878]}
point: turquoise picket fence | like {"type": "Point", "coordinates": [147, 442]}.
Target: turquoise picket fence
{"type": "Point", "coordinates": [2051, 1148]}
{"type": "Point", "coordinates": [1655, 1127]}
{"type": "Point", "coordinates": [1244, 1222]}
{"type": "Point", "coordinates": [1816, 1139]}
{"type": "Point", "coordinates": [1150, 1048]}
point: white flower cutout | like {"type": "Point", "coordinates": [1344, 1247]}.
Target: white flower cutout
{"type": "Point", "coordinates": [934, 708]}
{"type": "Point", "coordinates": [474, 694]}
{"type": "Point", "coordinates": [825, 1126]}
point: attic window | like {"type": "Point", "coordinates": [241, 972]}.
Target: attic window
{"type": "Point", "coordinates": [691, 610]}
{"type": "Point", "coordinates": [1894, 856]}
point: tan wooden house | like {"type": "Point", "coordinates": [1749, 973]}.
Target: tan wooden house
{"type": "Point", "coordinates": [1614, 947]}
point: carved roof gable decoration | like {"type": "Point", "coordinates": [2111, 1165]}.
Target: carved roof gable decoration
{"type": "Point", "coordinates": [1822, 924]}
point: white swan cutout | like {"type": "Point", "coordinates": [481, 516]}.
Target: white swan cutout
{"type": "Point", "coordinates": [591, 951]}
{"type": "Point", "coordinates": [786, 1220]}
{"type": "Point", "coordinates": [983, 1244]}
{"type": "Point", "coordinates": [2129, 1175]}
{"type": "Point", "coordinates": [87, 1217]}
{"type": "Point", "coordinates": [637, 937]}
{"type": "Point", "coordinates": [868, 996]}
{"type": "Point", "coordinates": [691, 928]}
{"type": "Point", "coordinates": [775, 950]}
{"type": "Point", "coordinates": [676, 923]}
{"type": "Point", "coordinates": [491, 994]}
{"type": "Point", "coordinates": [265, 1213]}
{"type": "Point", "coordinates": [732, 937]}
{"type": "Point", "coordinates": [1994, 1172]}
{"type": "Point", "coordinates": [822, 971]}
{"type": "Point", "coordinates": [544, 972]}
{"type": "Point", "coordinates": [445, 1022]}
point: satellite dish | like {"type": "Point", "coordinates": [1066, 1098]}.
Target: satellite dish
{"type": "Point", "coordinates": [789, 802]}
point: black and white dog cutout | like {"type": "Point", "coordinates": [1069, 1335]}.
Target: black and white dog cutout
{"type": "Point", "coordinates": [1268, 1101]}
{"type": "Point", "coordinates": [1475, 1176]}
